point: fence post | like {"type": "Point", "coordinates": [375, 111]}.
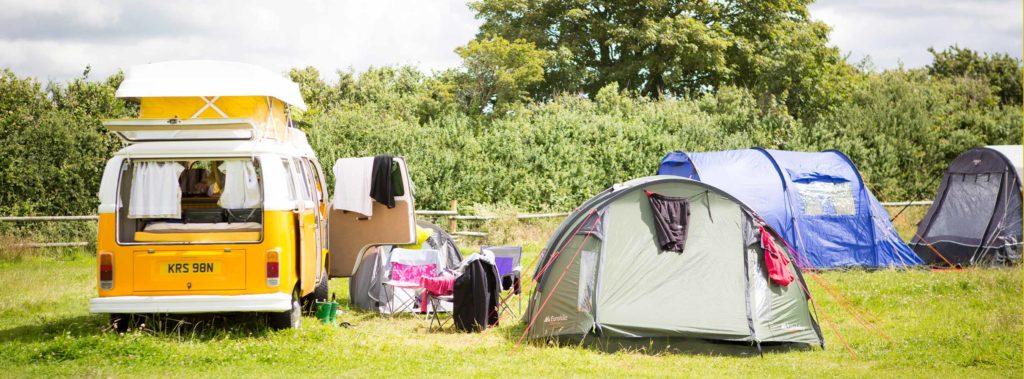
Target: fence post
{"type": "Point", "coordinates": [453, 223]}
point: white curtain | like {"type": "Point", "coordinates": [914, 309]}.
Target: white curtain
{"type": "Point", "coordinates": [241, 185]}
{"type": "Point", "coordinates": [155, 190]}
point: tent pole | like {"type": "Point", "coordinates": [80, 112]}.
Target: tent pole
{"type": "Point", "coordinates": [557, 282]}
{"type": "Point", "coordinates": [909, 202]}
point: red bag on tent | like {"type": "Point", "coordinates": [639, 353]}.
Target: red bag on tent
{"type": "Point", "coordinates": [775, 260]}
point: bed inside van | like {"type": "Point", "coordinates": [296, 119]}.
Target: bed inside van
{"type": "Point", "coordinates": [190, 201]}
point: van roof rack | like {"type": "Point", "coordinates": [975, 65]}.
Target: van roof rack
{"type": "Point", "coordinates": [196, 129]}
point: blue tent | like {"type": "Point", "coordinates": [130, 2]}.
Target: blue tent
{"type": "Point", "coordinates": [817, 201]}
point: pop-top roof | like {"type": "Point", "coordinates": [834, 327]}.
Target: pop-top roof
{"type": "Point", "coordinates": [208, 78]}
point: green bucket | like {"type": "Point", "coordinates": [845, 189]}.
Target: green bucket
{"type": "Point", "coordinates": [326, 312]}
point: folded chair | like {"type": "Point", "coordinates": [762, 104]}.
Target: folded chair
{"type": "Point", "coordinates": [406, 269]}
{"type": "Point", "coordinates": [438, 290]}
{"type": "Point", "coordinates": [508, 260]}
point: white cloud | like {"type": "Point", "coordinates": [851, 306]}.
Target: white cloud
{"type": "Point", "coordinates": [894, 32]}
{"type": "Point", "coordinates": [56, 40]}
{"type": "Point", "coordinates": [53, 39]}
{"type": "Point", "coordinates": [95, 13]}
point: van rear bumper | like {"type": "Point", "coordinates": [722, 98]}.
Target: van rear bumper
{"type": "Point", "coordinates": [271, 302]}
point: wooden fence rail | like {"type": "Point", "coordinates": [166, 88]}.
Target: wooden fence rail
{"type": "Point", "coordinates": [49, 218]}
{"type": "Point", "coordinates": [34, 245]}
{"type": "Point", "coordinates": [451, 214]}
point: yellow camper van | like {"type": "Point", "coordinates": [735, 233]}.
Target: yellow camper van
{"type": "Point", "coordinates": [217, 204]}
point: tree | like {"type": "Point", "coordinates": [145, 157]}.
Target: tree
{"type": "Point", "coordinates": [903, 127]}
{"type": "Point", "coordinates": [674, 47]}
{"type": "Point", "coordinates": [53, 143]}
{"type": "Point", "coordinates": [92, 99]}
{"type": "Point", "coordinates": [498, 72]}
{"type": "Point", "coordinates": [319, 95]}
{"type": "Point", "coordinates": [1000, 70]}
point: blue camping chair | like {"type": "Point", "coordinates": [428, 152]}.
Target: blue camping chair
{"type": "Point", "coordinates": [508, 260]}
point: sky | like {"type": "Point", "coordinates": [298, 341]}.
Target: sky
{"type": "Point", "coordinates": [55, 40]}
{"type": "Point", "coordinates": [894, 32]}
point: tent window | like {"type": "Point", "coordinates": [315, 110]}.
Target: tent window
{"type": "Point", "coordinates": [967, 207]}
{"type": "Point", "coordinates": [588, 267]}
{"type": "Point", "coordinates": [821, 198]}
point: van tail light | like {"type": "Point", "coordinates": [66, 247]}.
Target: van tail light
{"type": "Point", "coordinates": [273, 267]}
{"type": "Point", "coordinates": [106, 271]}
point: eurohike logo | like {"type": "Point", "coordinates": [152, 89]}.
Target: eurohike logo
{"type": "Point", "coordinates": [556, 319]}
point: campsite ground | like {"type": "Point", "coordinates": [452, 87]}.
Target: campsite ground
{"type": "Point", "coordinates": [949, 324]}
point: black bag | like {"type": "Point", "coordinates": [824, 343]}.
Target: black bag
{"type": "Point", "coordinates": [244, 215]}
{"type": "Point", "coordinates": [202, 215]}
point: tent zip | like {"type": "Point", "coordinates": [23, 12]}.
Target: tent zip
{"type": "Point", "coordinates": [599, 270]}
{"type": "Point", "coordinates": [746, 279]}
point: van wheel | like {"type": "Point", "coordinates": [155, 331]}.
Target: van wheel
{"type": "Point", "coordinates": [319, 293]}
{"type": "Point", "coordinates": [289, 319]}
{"type": "Point", "coordinates": [121, 322]}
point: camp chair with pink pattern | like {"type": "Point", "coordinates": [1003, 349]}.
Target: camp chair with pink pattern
{"type": "Point", "coordinates": [405, 271]}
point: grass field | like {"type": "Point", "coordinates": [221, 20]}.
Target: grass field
{"type": "Point", "coordinates": [948, 324]}
{"type": "Point", "coordinates": [934, 324]}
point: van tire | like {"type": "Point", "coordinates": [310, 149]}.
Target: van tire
{"type": "Point", "coordinates": [319, 293]}
{"type": "Point", "coordinates": [290, 319]}
{"type": "Point", "coordinates": [121, 322]}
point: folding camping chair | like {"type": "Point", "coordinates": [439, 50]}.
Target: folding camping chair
{"type": "Point", "coordinates": [508, 260]}
{"type": "Point", "coordinates": [435, 304]}
{"type": "Point", "coordinates": [406, 267]}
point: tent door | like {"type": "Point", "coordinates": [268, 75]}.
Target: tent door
{"type": "Point", "coordinates": [351, 233]}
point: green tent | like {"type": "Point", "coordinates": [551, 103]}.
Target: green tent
{"type": "Point", "coordinates": [605, 278]}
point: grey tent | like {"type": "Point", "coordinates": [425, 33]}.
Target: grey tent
{"type": "Point", "coordinates": [976, 215]}
{"type": "Point", "coordinates": [364, 287]}
{"type": "Point", "coordinates": [605, 278]}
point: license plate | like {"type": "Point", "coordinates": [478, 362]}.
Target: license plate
{"type": "Point", "coordinates": [175, 268]}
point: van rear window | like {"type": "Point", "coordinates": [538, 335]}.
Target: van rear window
{"type": "Point", "coordinates": [190, 201]}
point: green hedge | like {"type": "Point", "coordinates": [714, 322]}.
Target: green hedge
{"type": "Point", "coordinates": [901, 128]}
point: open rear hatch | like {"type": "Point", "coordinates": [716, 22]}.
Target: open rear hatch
{"type": "Point", "coordinates": [352, 233]}
{"type": "Point", "coordinates": [189, 270]}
